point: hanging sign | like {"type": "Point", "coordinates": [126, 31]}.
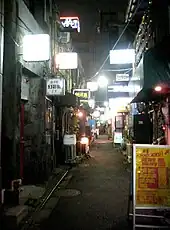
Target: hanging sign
{"type": "Point", "coordinates": [55, 87]}
{"type": "Point", "coordinates": [83, 94]}
{"type": "Point", "coordinates": [70, 22]}
{"type": "Point", "coordinates": [122, 77]}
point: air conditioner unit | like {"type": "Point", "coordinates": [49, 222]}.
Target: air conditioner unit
{"type": "Point", "coordinates": [64, 37]}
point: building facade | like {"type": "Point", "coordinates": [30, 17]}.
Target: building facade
{"type": "Point", "coordinates": [28, 116]}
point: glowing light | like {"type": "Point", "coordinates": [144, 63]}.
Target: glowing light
{"type": "Point", "coordinates": [124, 56]}
{"type": "Point", "coordinates": [80, 114]}
{"type": "Point", "coordinates": [92, 86]}
{"type": "Point", "coordinates": [158, 88]}
{"type": "Point", "coordinates": [102, 81]}
{"type": "Point", "coordinates": [36, 47]}
{"type": "Point", "coordinates": [96, 114]}
{"type": "Point", "coordinates": [164, 128]}
{"type": "Point", "coordinates": [84, 141]}
{"type": "Point", "coordinates": [66, 60]}
{"type": "Point", "coordinates": [106, 103]}
{"type": "Point", "coordinates": [91, 103]}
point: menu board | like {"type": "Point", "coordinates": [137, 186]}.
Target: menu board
{"type": "Point", "coordinates": [117, 138]}
{"type": "Point", "coordinates": [152, 176]}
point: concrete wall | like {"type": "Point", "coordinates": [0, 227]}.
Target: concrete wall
{"type": "Point", "coordinates": [37, 150]}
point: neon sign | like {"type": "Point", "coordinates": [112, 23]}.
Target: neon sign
{"type": "Point", "coordinates": [70, 22]}
{"type": "Point", "coordinates": [83, 94]}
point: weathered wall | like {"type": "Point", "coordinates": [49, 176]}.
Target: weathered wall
{"type": "Point", "coordinates": [36, 150]}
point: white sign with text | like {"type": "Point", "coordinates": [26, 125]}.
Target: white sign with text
{"type": "Point", "coordinates": [55, 87]}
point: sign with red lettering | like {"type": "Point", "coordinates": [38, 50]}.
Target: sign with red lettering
{"type": "Point", "coordinates": [152, 176]}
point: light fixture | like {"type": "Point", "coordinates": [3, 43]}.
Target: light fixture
{"type": "Point", "coordinates": [80, 114]}
{"type": "Point", "coordinates": [91, 103]}
{"type": "Point", "coordinates": [102, 81]}
{"type": "Point", "coordinates": [158, 88]}
{"type": "Point", "coordinates": [84, 141]}
{"type": "Point", "coordinates": [106, 103]}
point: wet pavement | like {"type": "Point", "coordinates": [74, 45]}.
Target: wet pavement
{"type": "Point", "coordinates": [96, 197]}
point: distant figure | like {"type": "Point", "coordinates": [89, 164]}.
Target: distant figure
{"type": "Point", "coordinates": [109, 131]}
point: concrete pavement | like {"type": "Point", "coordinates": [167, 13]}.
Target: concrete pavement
{"type": "Point", "coordinates": [96, 197]}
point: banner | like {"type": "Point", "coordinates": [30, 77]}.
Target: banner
{"type": "Point", "coordinates": [151, 165]}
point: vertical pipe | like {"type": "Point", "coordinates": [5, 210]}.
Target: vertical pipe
{"type": "Point", "coordinates": [1, 75]}
{"type": "Point", "coordinates": [22, 141]}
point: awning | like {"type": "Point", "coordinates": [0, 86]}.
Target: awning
{"type": "Point", "coordinates": [156, 68]}
{"type": "Point", "coordinates": [146, 96]}
{"type": "Point", "coordinates": [69, 100]}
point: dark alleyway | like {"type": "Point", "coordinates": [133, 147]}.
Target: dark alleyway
{"type": "Point", "coordinates": [101, 184]}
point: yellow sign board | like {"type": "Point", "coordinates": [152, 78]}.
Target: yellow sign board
{"type": "Point", "coordinates": [82, 94]}
{"type": "Point", "coordinates": [152, 176]}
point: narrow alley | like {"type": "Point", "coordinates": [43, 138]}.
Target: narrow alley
{"type": "Point", "coordinates": [96, 197]}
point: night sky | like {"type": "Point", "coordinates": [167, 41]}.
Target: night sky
{"type": "Point", "coordinates": [92, 47]}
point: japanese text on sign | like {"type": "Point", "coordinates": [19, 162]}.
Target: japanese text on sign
{"type": "Point", "coordinates": [82, 95]}
{"type": "Point", "coordinates": [152, 176]}
{"type": "Point", "coordinates": [72, 22]}
{"type": "Point", "coordinates": [55, 87]}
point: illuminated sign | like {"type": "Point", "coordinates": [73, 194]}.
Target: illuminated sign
{"type": "Point", "coordinates": [70, 22]}
{"type": "Point", "coordinates": [123, 88]}
{"type": "Point", "coordinates": [83, 94]}
{"type": "Point", "coordinates": [55, 87]}
{"type": "Point", "coordinates": [122, 77]}
{"type": "Point", "coordinates": [123, 56]}
{"type": "Point", "coordinates": [66, 60]}
{"type": "Point", "coordinates": [36, 47]}
{"type": "Point", "coordinates": [118, 138]}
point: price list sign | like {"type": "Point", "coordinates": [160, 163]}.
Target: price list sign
{"type": "Point", "coordinates": [151, 166]}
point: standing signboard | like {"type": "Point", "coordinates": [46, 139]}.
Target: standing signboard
{"type": "Point", "coordinates": [118, 138]}
{"type": "Point", "coordinates": [151, 178]}
{"type": "Point", "coordinates": [55, 87]}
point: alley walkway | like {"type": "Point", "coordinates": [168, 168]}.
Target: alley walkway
{"type": "Point", "coordinates": [99, 196]}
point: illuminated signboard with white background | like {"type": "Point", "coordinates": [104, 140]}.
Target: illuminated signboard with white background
{"type": "Point", "coordinates": [70, 22]}
{"type": "Point", "coordinates": [124, 56]}
{"type": "Point", "coordinates": [55, 87]}
{"type": "Point", "coordinates": [122, 77]}
{"type": "Point", "coordinates": [123, 88]}
{"type": "Point", "coordinates": [36, 47]}
{"type": "Point", "coordinates": [66, 60]}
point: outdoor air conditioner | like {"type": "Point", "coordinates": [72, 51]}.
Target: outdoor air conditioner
{"type": "Point", "coordinates": [64, 37]}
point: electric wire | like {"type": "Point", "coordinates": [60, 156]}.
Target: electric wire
{"type": "Point", "coordinates": [120, 36]}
